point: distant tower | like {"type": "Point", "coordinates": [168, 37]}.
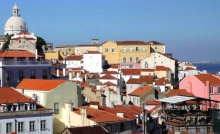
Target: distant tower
{"type": "Point", "coordinates": [15, 23]}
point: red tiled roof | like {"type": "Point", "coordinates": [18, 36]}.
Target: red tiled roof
{"type": "Point", "coordinates": [108, 83]}
{"type": "Point", "coordinates": [87, 130]}
{"type": "Point", "coordinates": [100, 116]}
{"type": "Point", "coordinates": [114, 66]}
{"type": "Point", "coordinates": [131, 43]}
{"type": "Point", "coordinates": [143, 78]}
{"type": "Point", "coordinates": [154, 43]}
{"type": "Point", "coordinates": [92, 52]}
{"type": "Point", "coordinates": [74, 57]}
{"type": "Point", "coordinates": [148, 70]}
{"type": "Point", "coordinates": [141, 90]}
{"type": "Point", "coordinates": [189, 68]}
{"type": "Point", "coordinates": [10, 95]}
{"type": "Point", "coordinates": [39, 84]}
{"type": "Point", "coordinates": [16, 53]}
{"type": "Point", "coordinates": [83, 84]}
{"type": "Point", "coordinates": [162, 81]}
{"type": "Point", "coordinates": [131, 71]}
{"type": "Point", "coordinates": [162, 68]}
{"type": "Point", "coordinates": [108, 76]}
{"type": "Point", "coordinates": [27, 38]}
{"type": "Point", "coordinates": [181, 92]}
{"type": "Point", "coordinates": [25, 33]}
{"type": "Point", "coordinates": [109, 72]}
{"type": "Point", "coordinates": [213, 80]}
{"type": "Point", "coordinates": [128, 113]}
{"type": "Point", "coordinates": [153, 102]}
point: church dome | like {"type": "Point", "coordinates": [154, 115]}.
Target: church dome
{"type": "Point", "coordinates": [15, 23]}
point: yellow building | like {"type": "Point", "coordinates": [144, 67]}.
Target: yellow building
{"type": "Point", "coordinates": [125, 51]}
{"type": "Point", "coordinates": [157, 46]}
{"type": "Point", "coordinates": [65, 50]}
{"type": "Point", "coordinates": [53, 56]}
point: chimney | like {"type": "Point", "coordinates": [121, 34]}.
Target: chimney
{"type": "Point", "coordinates": [58, 73]}
{"type": "Point", "coordinates": [83, 113]}
{"type": "Point", "coordinates": [95, 41]}
{"type": "Point", "coordinates": [207, 86]}
{"type": "Point", "coordinates": [36, 54]}
{"type": "Point", "coordinates": [64, 72]}
{"type": "Point", "coordinates": [22, 90]}
{"type": "Point", "coordinates": [70, 75]}
{"type": "Point", "coordinates": [120, 114]}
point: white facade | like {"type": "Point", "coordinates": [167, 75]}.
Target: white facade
{"type": "Point", "coordinates": [92, 62]}
{"type": "Point", "coordinates": [127, 77]}
{"type": "Point", "coordinates": [15, 23]}
{"type": "Point", "coordinates": [73, 64]}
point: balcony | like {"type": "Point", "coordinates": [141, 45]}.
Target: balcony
{"type": "Point", "coordinates": [26, 113]}
{"type": "Point", "coordinates": [25, 63]}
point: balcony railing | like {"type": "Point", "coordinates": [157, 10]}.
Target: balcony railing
{"type": "Point", "coordinates": [25, 63]}
{"type": "Point", "coordinates": [29, 112]}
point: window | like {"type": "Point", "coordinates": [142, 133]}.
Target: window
{"type": "Point", "coordinates": [143, 49]}
{"type": "Point", "coordinates": [113, 50]}
{"type": "Point", "coordinates": [211, 90]}
{"type": "Point", "coordinates": [124, 60]}
{"type": "Point", "coordinates": [21, 75]}
{"type": "Point", "coordinates": [9, 76]}
{"type": "Point", "coordinates": [124, 49]}
{"type": "Point", "coordinates": [8, 127]}
{"type": "Point", "coordinates": [106, 50]}
{"type": "Point", "coordinates": [130, 59]}
{"type": "Point", "coordinates": [218, 89]}
{"type": "Point", "coordinates": [70, 49]}
{"type": "Point", "coordinates": [32, 126]}
{"type": "Point", "coordinates": [130, 49]}
{"type": "Point", "coordinates": [33, 74]}
{"type": "Point", "coordinates": [20, 126]}
{"type": "Point", "coordinates": [43, 125]}
{"type": "Point", "coordinates": [137, 59]}
{"type": "Point", "coordinates": [56, 108]}
{"type": "Point", "coordinates": [137, 49]}
{"type": "Point", "coordinates": [45, 74]}
{"type": "Point", "coordinates": [78, 51]}
{"type": "Point", "coordinates": [19, 41]}
{"type": "Point", "coordinates": [155, 48]}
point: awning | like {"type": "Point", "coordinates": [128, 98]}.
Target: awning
{"type": "Point", "coordinates": [176, 99]}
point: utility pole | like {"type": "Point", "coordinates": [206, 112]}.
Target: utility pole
{"type": "Point", "coordinates": [144, 120]}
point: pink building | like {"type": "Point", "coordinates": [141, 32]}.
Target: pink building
{"type": "Point", "coordinates": [202, 85]}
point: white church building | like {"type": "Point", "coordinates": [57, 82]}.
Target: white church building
{"type": "Point", "coordinates": [15, 23]}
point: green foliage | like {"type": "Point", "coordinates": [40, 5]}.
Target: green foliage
{"type": "Point", "coordinates": [6, 44]}
{"type": "Point", "coordinates": [40, 42]}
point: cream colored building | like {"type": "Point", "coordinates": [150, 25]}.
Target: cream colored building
{"type": "Point", "coordinates": [81, 49]}
{"type": "Point", "coordinates": [125, 51]}
{"type": "Point", "coordinates": [53, 94]}
{"type": "Point", "coordinates": [157, 46]}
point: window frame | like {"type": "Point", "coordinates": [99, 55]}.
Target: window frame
{"type": "Point", "coordinates": [8, 127]}
{"type": "Point", "coordinates": [113, 50]}
{"type": "Point", "coordinates": [43, 125]}
{"type": "Point", "coordinates": [56, 108]}
{"type": "Point", "coordinates": [106, 50]}
{"type": "Point", "coordinates": [20, 127]}
{"type": "Point", "coordinates": [31, 126]}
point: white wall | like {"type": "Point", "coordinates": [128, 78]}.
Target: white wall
{"type": "Point", "coordinates": [92, 62]}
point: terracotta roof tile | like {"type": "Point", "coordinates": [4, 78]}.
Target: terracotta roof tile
{"type": "Point", "coordinates": [39, 84]}
{"type": "Point", "coordinates": [74, 57]}
{"type": "Point", "coordinates": [100, 116]}
{"type": "Point", "coordinates": [26, 38]}
{"type": "Point", "coordinates": [10, 95]}
{"type": "Point", "coordinates": [153, 102]}
{"type": "Point", "coordinates": [92, 52]}
{"type": "Point", "coordinates": [109, 72]}
{"type": "Point", "coordinates": [131, 43]}
{"type": "Point", "coordinates": [189, 68]}
{"type": "Point", "coordinates": [141, 90]}
{"type": "Point", "coordinates": [108, 83]}
{"type": "Point", "coordinates": [181, 92]}
{"type": "Point", "coordinates": [131, 71]}
{"type": "Point", "coordinates": [147, 70]}
{"type": "Point", "coordinates": [88, 130]}
{"type": "Point", "coordinates": [114, 66]}
{"type": "Point", "coordinates": [213, 80]}
{"type": "Point", "coordinates": [25, 33]}
{"type": "Point", "coordinates": [162, 81]}
{"type": "Point", "coordinates": [154, 43]}
{"type": "Point", "coordinates": [133, 81]}
{"type": "Point", "coordinates": [16, 53]}
{"type": "Point", "coordinates": [162, 68]}
{"type": "Point", "coordinates": [143, 78]}
{"type": "Point", "coordinates": [108, 76]}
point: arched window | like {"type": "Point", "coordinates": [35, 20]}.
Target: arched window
{"type": "Point", "coordinates": [137, 59]}
{"type": "Point", "coordinates": [130, 59]}
{"type": "Point", "coordinates": [124, 60]}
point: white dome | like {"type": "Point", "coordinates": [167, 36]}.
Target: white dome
{"type": "Point", "coordinates": [15, 23]}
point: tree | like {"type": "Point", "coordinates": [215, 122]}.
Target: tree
{"type": "Point", "coordinates": [6, 44]}
{"type": "Point", "coordinates": [40, 42]}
